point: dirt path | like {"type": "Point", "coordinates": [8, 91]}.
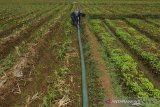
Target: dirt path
{"type": "Point", "coordinates": [104, 78]}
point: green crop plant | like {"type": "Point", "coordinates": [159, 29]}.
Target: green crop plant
{"type": "Point", "coordinates": [62, 50]}
{"type": "Point", "coordinates": [68, 28]}
{"type": "Point", "coordinates": [47, 100]}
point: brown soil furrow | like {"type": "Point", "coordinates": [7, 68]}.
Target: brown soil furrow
{"type": "Point", "coordinates": [12, 40]}
{"type": "Point", "coordinates": [9, 29]}
{"type": "Point", "coordinates": [104, 77]}
{"type": "Point", "coordinates": [24, 65]}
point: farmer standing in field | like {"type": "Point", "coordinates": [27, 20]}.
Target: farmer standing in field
{"type": "Point", "coordinates": [76, 16]}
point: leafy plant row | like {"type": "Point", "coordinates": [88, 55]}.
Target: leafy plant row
{"type": "Point", "coordinates": [154, 21]}
{"type": "Point", "coordinates": [133, 79]}
{"type": "Point", "coordinates": [149, 29]}
{"type": "Point", "coordinates": [139, 43]}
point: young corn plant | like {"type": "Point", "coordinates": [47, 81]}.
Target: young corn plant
{"type": "Point", "coordinates": [62, 50]}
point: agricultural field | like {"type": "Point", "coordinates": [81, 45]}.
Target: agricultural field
{"type": "Point", "coordinates": [41, 61]}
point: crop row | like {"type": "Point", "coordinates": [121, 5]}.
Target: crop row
{"type": "Point", "coordinates": [8, 28]}
{"type": "Point", "coordinates": [15, 17]}
{"type": "Point", "coordinates": [20, 16]}
{"type": "Point", "coordinates": [10, 58]}
{"type": "Point", "coordinates": [91, 10]}
{"type": "Point", "coordinates": [118, 9]}
{"type": "Point", "coordinates": [149, 29]}
{"type": "Point", "coordinates": [13, 11]}
{"type": "Point", "coordinates": [32, 13]}
{"type": "Point", "coordinates": [128, 68]}
{"type": "Point", "coordinates": [143, 46]}
{"type": "Point", "coordinates": [13, 39]}
{"type": "Point", "coordinates": [4, 25]}
{"type": "Point", "coordinates": [154, 21]}
{"type": "Point", "coordinates": [133, 8]}
{"type": "Point", "coordinates": [61, 53]}
{"type": "Point", "coordinates": [7, 13]}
